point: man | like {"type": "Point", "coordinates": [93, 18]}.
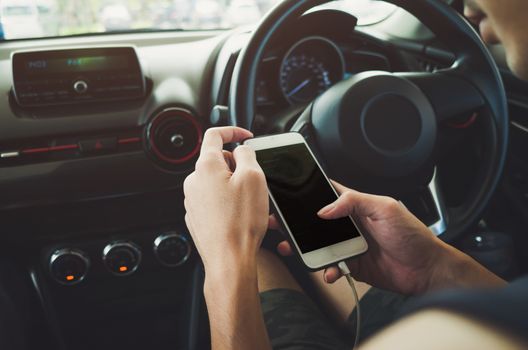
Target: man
{"type": "Point", "coordinates": [227, 215]}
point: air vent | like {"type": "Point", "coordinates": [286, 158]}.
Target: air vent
{"type": "Point", "coordinates": [173, 138]}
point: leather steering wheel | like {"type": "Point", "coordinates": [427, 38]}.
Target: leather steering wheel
{"type": "Point", "coordinates": [377, 131]}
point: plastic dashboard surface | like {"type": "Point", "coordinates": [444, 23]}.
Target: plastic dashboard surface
{"type": "Point", "coordinates": [176, 76]}
{"type": "Point", "coordinates": [49, 154]}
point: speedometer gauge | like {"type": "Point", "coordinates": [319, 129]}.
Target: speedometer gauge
{"type": "Point", "coordinates": [309, 68]}
{"type": "Point", "coordinates": [303, 78]}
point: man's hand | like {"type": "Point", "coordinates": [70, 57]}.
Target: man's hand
{"type": "Point", "coordinates": [227, 214]}
{"type": "Point", "coordinates": [403, 256]}
{"type": "Point", "coordinates": [226, 200]}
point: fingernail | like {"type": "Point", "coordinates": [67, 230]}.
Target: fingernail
{"type": "Point", "coordinates": [326, 209]}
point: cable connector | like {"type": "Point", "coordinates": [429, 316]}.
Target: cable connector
{"type": "Point", "coordinates": [343, 267]}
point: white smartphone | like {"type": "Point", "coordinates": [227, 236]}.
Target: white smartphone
{"type": "Point", "coordinates": [298, 189]}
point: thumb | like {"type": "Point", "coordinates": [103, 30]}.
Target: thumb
{"type": "Point", "coordinates": [352, 203]}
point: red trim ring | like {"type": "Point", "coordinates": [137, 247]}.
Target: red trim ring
{"type": "Point", "coordinates": [171, 113]}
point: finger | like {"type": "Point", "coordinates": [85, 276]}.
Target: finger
{"type": "Point", "coordinates": [284, 248]}
{"type": "Point", "coordinates": [187, 184]}
{"type": "Point", "coordinates": [188, 223]}
{"type": "Point", "coordinates": [339, 187]}
{"type": "Point", "coordinates": [211, 157]}
{"type": "Point", "coordinates": [273, 223]}
{"type": "Point", "coordinates": [356, 203]}
{"type": "Point", "coordinates": [215, 138]}
{"type": "Point", "coordinates": [331, 274]}
{"type": "Point", "coordinates": [228, 157]}
{"type": "Point", "coordinates": [245, 157]}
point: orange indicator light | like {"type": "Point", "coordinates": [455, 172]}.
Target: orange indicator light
{"type": "Point", "coordinates": [70, 278]}
{"type": "Point", "coordinates": [123, 268]}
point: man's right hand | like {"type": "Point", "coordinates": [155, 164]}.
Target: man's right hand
{"type": "Point", "coordinates": [404, 256]}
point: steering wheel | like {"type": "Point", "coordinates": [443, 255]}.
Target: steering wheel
{"type": "Point", "coordinates": [377, 131]}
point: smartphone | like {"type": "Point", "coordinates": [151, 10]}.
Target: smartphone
{"type": "Point", "coordinates": [298, 189]}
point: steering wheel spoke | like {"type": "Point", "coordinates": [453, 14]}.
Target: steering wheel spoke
{"type": "Point", "coordinates": [427, 204]}
{"type": "Point", "coordinates": [440, 226]}
{"type": "Point", "coordinates": [450, 95]}
{"type": "Point", "coordinates": [280, 122]}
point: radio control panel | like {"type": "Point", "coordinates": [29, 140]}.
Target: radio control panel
{"type": "Point", "coordinates": [77, 76]}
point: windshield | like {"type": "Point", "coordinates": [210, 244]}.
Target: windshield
{"type": "Point", "coordinates": [49, 18]}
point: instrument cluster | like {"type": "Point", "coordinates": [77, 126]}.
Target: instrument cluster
{"type": "Point", "coordinates": [296, 74]}
{"type": "Point", "coordinates": [309, 68]}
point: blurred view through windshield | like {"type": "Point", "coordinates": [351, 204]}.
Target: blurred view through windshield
{"type": "Point", "coordinates": [45, 18]}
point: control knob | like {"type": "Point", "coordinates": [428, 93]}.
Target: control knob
{"type": "Point", "coordinates": [68, 266]}
{"type": "Point", "coordinates": [80, 86]}
{"type": "Point", "coordinates": [122, 258]}
{"type": "Point", "coordinates": [172, 249]}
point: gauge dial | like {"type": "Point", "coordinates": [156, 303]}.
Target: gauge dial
{"type": "Point", "coordinates": [303, 78]}
{"type": "Point", "coordinates": [309, 68]}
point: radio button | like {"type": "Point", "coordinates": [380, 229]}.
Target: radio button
{"type": "Point", "coordinates": [80, 86]}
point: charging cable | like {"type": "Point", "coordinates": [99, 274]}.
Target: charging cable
{"type": "Point", "coordinates": [346, 272]}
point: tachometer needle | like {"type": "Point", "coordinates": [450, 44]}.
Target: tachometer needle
{"type": "Point", "coordinates": [299, 87]}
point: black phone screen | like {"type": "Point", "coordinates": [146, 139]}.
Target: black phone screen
{"type": "Point", "coordinates": [300, 190]}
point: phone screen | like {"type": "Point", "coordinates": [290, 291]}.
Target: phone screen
{"type": "Point", "coordinates": [300, 190]}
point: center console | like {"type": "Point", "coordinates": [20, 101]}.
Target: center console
{"type": "Point", "coordinates": [130, 290]}
{"type": "Point", "coordinates": [94, 148]}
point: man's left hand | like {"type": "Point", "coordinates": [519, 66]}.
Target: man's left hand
{"type": "Point", "coordinates": [226, 200]}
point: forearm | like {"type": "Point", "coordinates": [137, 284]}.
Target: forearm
{"type": "Point", "coordinates": [234, 310]}
{"type": "Point", "coordinates": [458, 270]}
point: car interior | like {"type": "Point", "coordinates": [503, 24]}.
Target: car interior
{"type": "Point", "coordinates": [98, 131]}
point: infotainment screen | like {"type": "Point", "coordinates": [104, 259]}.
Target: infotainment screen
{"type": "Point", "coordinates": [77, 75]}
{"type": "Point", "coordinates": [77, 64]}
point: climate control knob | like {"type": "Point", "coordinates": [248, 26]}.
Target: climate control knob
{"type": "Point", "coordinates": [122, 258]}
{"type": "Point", "coordinates": [172, 249]}
{"type": "Point", "coordinates": [68, 266]}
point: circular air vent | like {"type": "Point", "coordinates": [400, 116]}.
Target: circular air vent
{"type": "Point", "coordinates": [173, 138]}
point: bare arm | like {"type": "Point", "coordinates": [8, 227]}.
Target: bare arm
{"type": "Point", "coordinates": [234, 309]}
{"type": "Point", "coordinates": [456, 269]}
{"type": "Point", "coordinates": [438, 329]}
{"type": "Point", "coordinates": [227, 216]}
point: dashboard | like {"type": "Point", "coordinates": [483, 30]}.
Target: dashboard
{"type": "Point", "coordinates": [97, 134]}
{"type": "Point", "coordinates": [89, 122]}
